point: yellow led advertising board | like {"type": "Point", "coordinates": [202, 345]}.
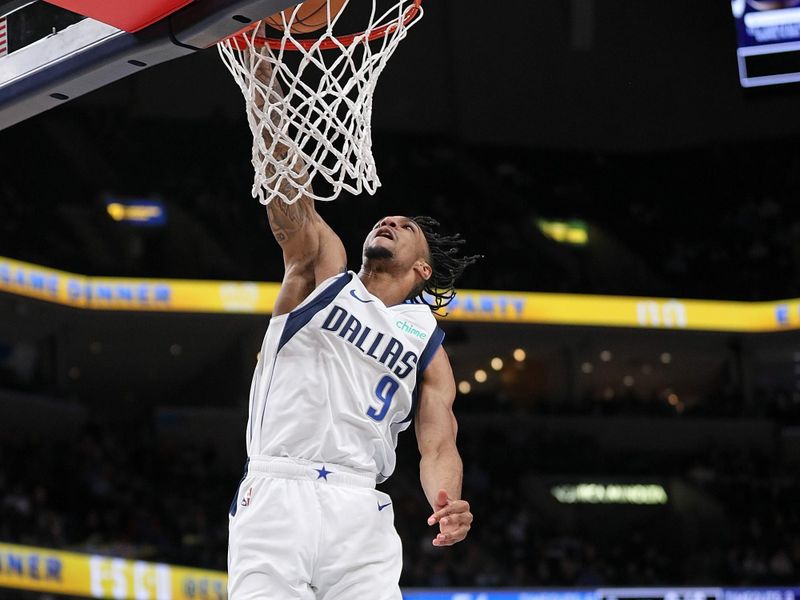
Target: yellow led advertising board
{"type": "Point", "coordinates": [94, 576]}
{"type": "Point", "coordinates": [247, 297]}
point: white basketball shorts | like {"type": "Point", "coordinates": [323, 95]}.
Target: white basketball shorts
{"type": "Point", "coordinates": [311, 531]}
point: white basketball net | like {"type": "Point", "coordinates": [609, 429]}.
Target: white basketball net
{"type": "Point", "coordinates": [310, 104]}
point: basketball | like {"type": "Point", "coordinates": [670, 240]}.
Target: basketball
{"type": "Point", "coordinates": [311, 15]}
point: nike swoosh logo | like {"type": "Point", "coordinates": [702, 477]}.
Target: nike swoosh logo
{"type": "Point", "coordinates": [353, 294]}
{"type": "Point", "coordinates": [382, 506]}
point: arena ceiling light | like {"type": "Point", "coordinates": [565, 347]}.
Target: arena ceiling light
{"type": "Point", "coordinates": [600, 493]}
{"type": "Point", "coordinates": [574, 232]}
{"type": "Point", "coordinates": [150, 213]}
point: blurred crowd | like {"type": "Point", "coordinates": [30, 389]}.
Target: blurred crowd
{"type": "Point", "coordinates": [749, 536]}
{"type": "Point", "coordinates": [709, 223]}
{"type": "Point", "coordinates": [116, 494]}
{"type": "Point", "coordinates": [718, 222]}
{"type": "Point", "coordinates": [769, 403]}
{"type": "Point", "coordinates": [732, 518]}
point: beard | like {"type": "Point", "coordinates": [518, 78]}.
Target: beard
{"type": "Point", "coordinates": [378, 253]}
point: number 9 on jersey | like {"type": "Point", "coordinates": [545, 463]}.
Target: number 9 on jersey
{"type": "Point", "coordinates": [384, 393]}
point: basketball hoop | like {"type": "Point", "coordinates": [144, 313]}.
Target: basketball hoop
{"type": "Point", "coordinates": [309, 101]}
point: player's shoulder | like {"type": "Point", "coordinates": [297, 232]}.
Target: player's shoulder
{"type": "Point", "coordinates": [340, 280]}
{"type": "Point", "coordinates": [324, 293]}
{"type": "Point", "coordinates": [418, 311]}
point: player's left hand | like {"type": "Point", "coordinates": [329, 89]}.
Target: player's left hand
{"type": "Point", "coordinates": [454, 519]}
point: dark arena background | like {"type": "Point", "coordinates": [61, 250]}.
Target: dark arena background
{"type": "Point", "coordinates": [627, 352]}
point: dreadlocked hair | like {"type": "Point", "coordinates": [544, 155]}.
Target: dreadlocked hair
{"type": "Point", "coordinates": [438, 291]}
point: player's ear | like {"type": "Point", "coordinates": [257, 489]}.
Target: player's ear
{"type": "Point", "coordinates": [423, 269]}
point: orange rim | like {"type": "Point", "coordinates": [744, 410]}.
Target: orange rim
{"type": "Point", "coordinates": [240, 40]}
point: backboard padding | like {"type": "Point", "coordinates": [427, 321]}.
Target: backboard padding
{"type": "Point", "coordinates": [128, 16]}
{"type": "Point", "coordinates": [43, 75]}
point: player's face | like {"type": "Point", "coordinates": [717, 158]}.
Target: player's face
{"type": "Point", "coordinates": [396, 238]}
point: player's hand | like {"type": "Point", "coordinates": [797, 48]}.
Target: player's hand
{"type": "Point", "coordinates": [453, 517]}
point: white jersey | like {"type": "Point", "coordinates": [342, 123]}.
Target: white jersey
{"type": "Point", "coordinates": [338, 377]}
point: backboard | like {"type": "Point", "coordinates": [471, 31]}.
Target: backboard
{"type": "Point", "coordinates": [55, 55]}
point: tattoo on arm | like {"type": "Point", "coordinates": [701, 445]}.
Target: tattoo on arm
{"type": "Point", "coordinates": [286, 220]}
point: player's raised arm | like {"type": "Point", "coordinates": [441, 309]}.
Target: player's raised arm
{"type": "Point", "coordinates": [312, 252]}
{"type": "Point", "coordinates": [440, 468]}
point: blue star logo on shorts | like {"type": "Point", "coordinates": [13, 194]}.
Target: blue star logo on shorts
{"type": "Point", "coordinates": [323, 473]}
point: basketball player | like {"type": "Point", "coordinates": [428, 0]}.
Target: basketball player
{"type": "Point", "coordinates": [348, 360]}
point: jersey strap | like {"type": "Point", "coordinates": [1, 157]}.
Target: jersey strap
{"type": "Point", "coordinates": [300, 317]}
{"type": "Point", "coordinates": [430, 350]}
{"type": "Point", "coordinates": [424, 360]}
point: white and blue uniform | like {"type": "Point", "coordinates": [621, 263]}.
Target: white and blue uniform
{"type": "Point", "coordinates": [335, 384]}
